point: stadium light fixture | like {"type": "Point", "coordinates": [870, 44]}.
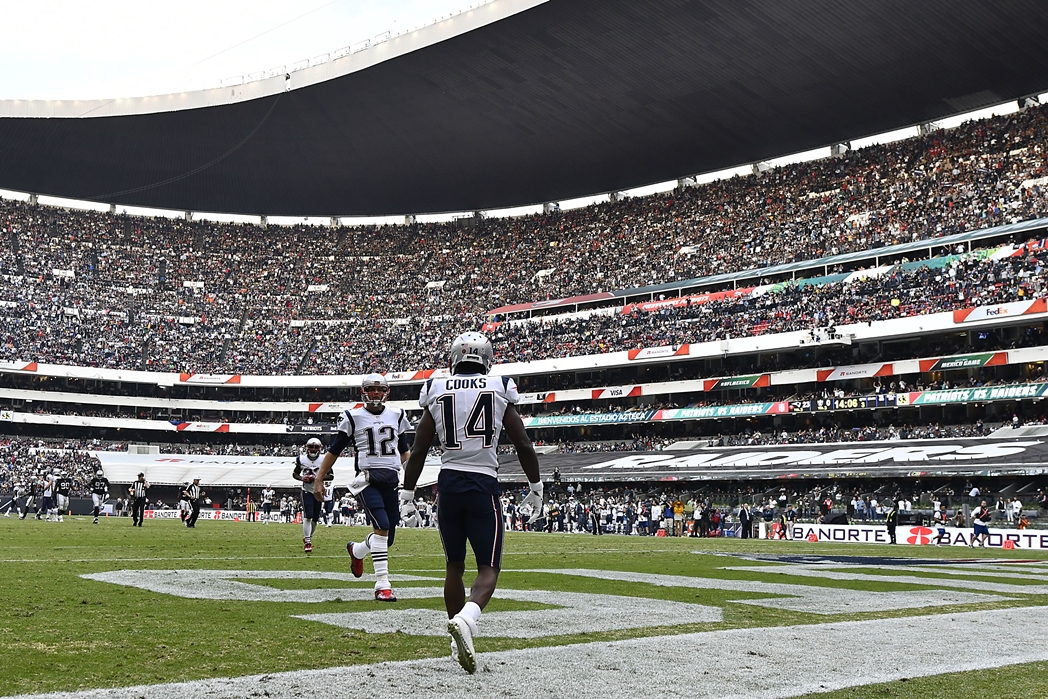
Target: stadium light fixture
{"type": "Point", "coordinates": [300, 65]}
{"type": "Point", "coordinates": [360, 46]}
{"type": "Point", "coordinates": [279, 70]}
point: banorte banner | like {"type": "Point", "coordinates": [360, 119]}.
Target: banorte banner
{"type": "Point", "coordinates": [1035, 539]}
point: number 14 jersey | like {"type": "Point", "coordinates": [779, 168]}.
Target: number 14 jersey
{"type": "Point", "coordinates": [467, 411]}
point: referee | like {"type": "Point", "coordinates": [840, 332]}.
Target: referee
{"type": "Point", "coordinates": [192, 493]}
{"type": "Point", "coordinates": [137, 491]}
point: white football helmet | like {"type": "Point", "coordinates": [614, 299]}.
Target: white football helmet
{"type": "Point", "coordinates": [99, 473]}
{"type": "Point", "coordinates": [374, 390]}
{"type": "Point", "coordinates": [313, 447]}
{"type": "Point", "coordinates": [471, 347]}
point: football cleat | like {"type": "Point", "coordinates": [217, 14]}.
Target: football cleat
{"type": "Point", "coordinates": [462, 634]}
{"type": "Point", "coordinates": [357, 565]}
{"type": "Point", "coordinates": [385, 596]}
{"type": "Point", "coordinates": [307, 546]}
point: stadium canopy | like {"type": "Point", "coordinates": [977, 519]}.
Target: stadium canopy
{"type": "Point", "coordinates": [522, 101]}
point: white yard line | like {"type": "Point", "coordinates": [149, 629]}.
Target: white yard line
{"type": "Point", "coordinates": [767, 662]}
{"type": "Point", "coordinates": [899, 574]}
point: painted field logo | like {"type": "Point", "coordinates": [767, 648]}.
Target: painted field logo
{"type": "Point", "coordinates": [919, 536]}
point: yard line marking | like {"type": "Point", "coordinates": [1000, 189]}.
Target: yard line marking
{"type": "Point", "coordinates": [773, 663]}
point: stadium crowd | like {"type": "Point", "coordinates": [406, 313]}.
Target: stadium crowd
{"type": "Point", "coordinates": [111, 291]}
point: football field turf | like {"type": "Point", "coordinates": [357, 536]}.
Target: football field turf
{"type": "Point", "coordinates": [90, 607]}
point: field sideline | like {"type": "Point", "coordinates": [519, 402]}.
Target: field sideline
{"type": "Point", "coordinates": [164, 604]}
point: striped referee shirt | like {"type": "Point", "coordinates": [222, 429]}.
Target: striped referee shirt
{"type": "Point", "coordinates": [193, 492]}
{"type": "Point", "coordinates": [139, 488]}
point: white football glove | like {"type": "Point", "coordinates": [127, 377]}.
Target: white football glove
{"type": "Point", "coordinates": [534, 499]}
{"type": "Point", "coordinates": [407, 505]}
{"type": "Point", "coordinates": [359, 483]}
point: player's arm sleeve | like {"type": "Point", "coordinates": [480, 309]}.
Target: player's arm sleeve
{"type": "Point", "coordinates": [403, 427]}
{"type": "Point", "coordinates": [509, 389]}
{"type": "Point", "coordinates": [344, 436]}
{"type": "Point", "coordinates": [297, 473]}
{"type": "Point", "coordinates": [424, 397]}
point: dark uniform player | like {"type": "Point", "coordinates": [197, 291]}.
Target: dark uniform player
{"type": "Point", "coordinates": [307, 466]}
{"type": "Point", "coordinates": [99, 492]}
{"type": "Point", "coordinates": [376, 433]}
{"type": "Point", "coordinates": [63, 488]}
{"type": "Point", "coordinates": [466, 413]}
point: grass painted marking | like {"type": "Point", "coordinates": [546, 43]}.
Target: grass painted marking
{"type": "Point", "coordinates": [772, 663]}
{"type": "Point", "coordinates": [575, 612]}
{"type": "Point", "coordinates": [795, 597]}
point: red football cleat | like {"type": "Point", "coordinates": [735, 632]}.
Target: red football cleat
{"type": "Point", "coordinates": [385, 596]}
{"type": "Point", "coordinates": [307, 547]}
{"type": "Point", "coordinates": [357, 565]}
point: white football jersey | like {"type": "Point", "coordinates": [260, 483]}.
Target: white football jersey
{"type": "Point", "coordinates": [375, 438]}
{"type": "Point", "coordinates": [467, 411]}
{"type": "Point", "coordinates": [267, 496]}
{"type": "Point", "coordinates": [309, 467]}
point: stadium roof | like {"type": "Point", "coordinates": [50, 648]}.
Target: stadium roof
{"type": "Point", "coordinates": [524, 101]}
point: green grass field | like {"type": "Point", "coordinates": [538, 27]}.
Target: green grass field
{"type": "Point", "coordinates": [60, 631]}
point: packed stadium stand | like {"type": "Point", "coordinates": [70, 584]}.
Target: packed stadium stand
{"type": "Point", "coordinates": [889, 295]}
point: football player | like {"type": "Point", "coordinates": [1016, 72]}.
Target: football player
{"type": "Point", "coordinates": [939, 520]}
{"type": "Point", "coordinates": [268, 494]}
{"type": "Point", "coordinates": [63, 487]}
{"type": "Point", "coordinates": [466, 413]}
{"type": "Point", "coordinates": [307, 468]}
{"type": "Point", "coordinates": [48, 488]}
{"type": "Point", "coordinates": [99, 492]}
{"type": "Point", "coordinates": [377, 433]}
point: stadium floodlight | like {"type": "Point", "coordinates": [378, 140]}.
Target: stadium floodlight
{"type": "Point", "coordinates": [322, 58]}
{"type": "Point", "coordinates": [300, 65]}
{"type": "Point", "coordinates": [233, 81]}
{"type": "Point", "coordinates": [380, 39]}
{"type": "Point", "coordinates": [279, 70]}
{"type": "Point", "coordinates": [252, 77]}
{"type": "Point", "coordinates": [340, 53]}
{"type": "Point", "coordinates": [360, 46]}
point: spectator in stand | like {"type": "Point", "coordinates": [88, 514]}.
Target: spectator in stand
{"type": "Point", "coordinates": [85, 288]}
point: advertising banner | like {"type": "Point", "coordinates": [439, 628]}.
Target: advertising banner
{"type": "Point", "coordinates": [657, 352]}
{"type": "Point", "coordinates": [209, 379]}
{"type": "Point", "coordinates": [982, 394]}
{"type": "Point", "coordinates": [684, 301]}
{"type": "Point", "coordinates": [860, 371]}
{"type": "Point", "coordinates": [918, 535]}
{"type": "Point", "coordinates": [964, 361]}
{"type": "Point", "coordinates": [589, 419]}
{"type": "Point", "coordinates": [715, 411]}
{"type": "Point", "coordinates": [1001, 310]}
{"type": "Point", "coordinates": [312, 429]}
{"type": "Point", "coordinates": [758, 381]}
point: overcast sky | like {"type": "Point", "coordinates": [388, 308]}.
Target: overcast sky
{"type": "Point", "coordinates": [92, 49]}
